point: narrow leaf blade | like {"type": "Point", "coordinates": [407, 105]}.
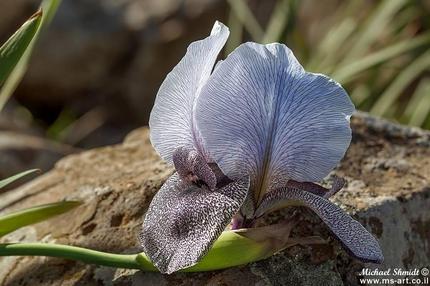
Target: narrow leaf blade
{"type": "Point", "coordinates": [354, 237]}
{"type": "Point", "coordinates": [16, 74]}
{"type": "Point", "coordinates": [16, 220]}
{"type": "Point", "coordinates": [7, 181]}
{"type": "Point", "coordinates": [347, 72]}
{"type": "Point", "coordinates": [14, 48]}
{"type": "Point", "coordinates": [400, 83]}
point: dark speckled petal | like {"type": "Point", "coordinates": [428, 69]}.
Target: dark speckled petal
{"type": "Point", "coordinates": [354, 237]}
{"type": "Point", "coordinates": [184, 220]}
{"type": "Point", "coordinates": [189, 163]}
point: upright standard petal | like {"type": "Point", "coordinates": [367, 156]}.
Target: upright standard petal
{"type": "Point", "coordinates": [353, 236]}
{"type": "Point", "coordinates": [171, 120]}
{"type": "Point", "coordinates": [184, 220]}
{"type": "Point", "coordinates": [261, 114]}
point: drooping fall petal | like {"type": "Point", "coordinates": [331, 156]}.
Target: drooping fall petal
{"type": "Point", "coordinates": [353, 236]}
{"type": "Point", "coordinates": [316, 189]}
{"type": "Point", "coordinates": [184, 220]}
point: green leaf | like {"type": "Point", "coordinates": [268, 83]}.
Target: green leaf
{"type": "Point", "coordinates": [50, 7]}
{"type": "Point", "coordinates": [7, 181]}
{"type": "Point", "coordinates": [418, 108]}
{"type": "Point", "coordinates": [346, 73]}
{"type": "Point", "coordinates": [374, 27]}
{"type": "Point", "coordinates": [337, 40]}
{"type": "Point", "coordinates": [12, 51]}
{"type": "Point", "coordinates": [245, 15]}
{"type": "Point", "coordinates": [360, 94]}
{"type": "Point", "coordinates": [328, 51]}
{"type": "Point", "coordinates": [236, 32]}
{"type": "Point", "coordinates": [399, 84]}
{"type": "Point", "coordinates": [232, 249]}
{"type": "Point", "coordinates": [16, 220]}
{"type": "Point", "coordinates": [15, 75]}
{"type": "Point", "coordinates": [277, 23]}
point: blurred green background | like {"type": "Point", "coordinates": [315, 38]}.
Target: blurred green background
{"type": "Point", "coordinates": [97, 67]}
{"type": "Point", "coordinates": [378, 50]}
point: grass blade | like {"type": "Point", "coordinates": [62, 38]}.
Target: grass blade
{"type": "Point", "coordinates": [16, 45]}
{"type": "Point", "coordinates": [245, 15]}
{"type": "Point", "coordinates": [360, 94]}
{"type": "Point", "coordinates": [16, 220]}
{"type": "Point", "coordinates": [346, 73]}
{"type": "Point", "coordinates": [49, 8]}
{"type": "Point", "coordinates": [7, 181]}
{"type": "Point", "coordinates": [236, 32]}
{"type": "Point", "coordinates": [418, 108]}
{"type": "Point", "coordinates": [277, 22]}
{"type": "Point", "coordinates": [390, 95]}
{"type": "Point", "coordinates": [375, 26]}
{"type": "Point", "coordinates": [325, 57]}
{"type": "Point", "coordinates": [338, 40]}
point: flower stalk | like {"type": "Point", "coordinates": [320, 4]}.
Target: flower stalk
{"type": "Point", "coordinates": [70, 252]}
{"type": "Point", "coordinates": [232, 248]}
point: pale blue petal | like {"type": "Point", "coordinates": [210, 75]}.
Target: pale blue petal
{"type": "Point", "coordinates": [261, 114]}
{"type": "Point", "coordinates": [171, 120]}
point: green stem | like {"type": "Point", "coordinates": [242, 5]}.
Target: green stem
{"type": "Point", "coordinates": [232, 248]}
{"type": "Point", "coordinates": [72, 252]}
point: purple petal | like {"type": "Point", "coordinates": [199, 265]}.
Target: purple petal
{"type": "Point", "coordinates": [189, 164]}
{"type": "Point", "coordinates": [353, 236]}
{"type": "Point", "coordinates": [184, 220]}
{"type": "Point", "coordinates": [308, 187]}
{"type": "Point", "coordinates": [316, 189]}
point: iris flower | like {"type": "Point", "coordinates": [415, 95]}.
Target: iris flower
{"type": "Point", "coordinates": [246, 137]}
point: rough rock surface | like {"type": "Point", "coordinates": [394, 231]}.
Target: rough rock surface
{"type": "Point", "coordinates": [388, 189]}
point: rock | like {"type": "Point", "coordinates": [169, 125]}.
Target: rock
{"type": "Point", "coordinates": [117, 183]}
